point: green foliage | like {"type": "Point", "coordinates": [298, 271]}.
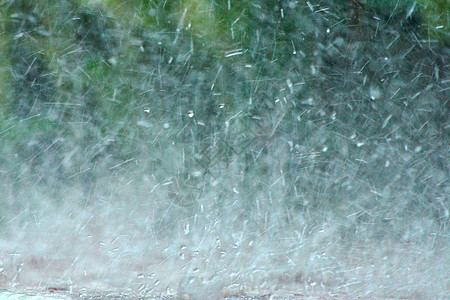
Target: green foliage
{"type": "Point", "coordinates": [431, 17]}
{"type": "Point", "coordinates": [278, 95]}
{"type": "Point", "coordinates": [5, 77]}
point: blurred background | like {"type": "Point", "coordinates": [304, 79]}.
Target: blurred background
{"type": "Point", "coordinates": [204, 147]}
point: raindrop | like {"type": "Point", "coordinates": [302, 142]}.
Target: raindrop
{"type": "Point", "coordinates": [113, 61]}
{"type": "Point", "coordinates": [374, 93]}
{"type": "Point", "coordinates": [18, 36]}
{"type": "Point", "coordinates": [410, 10]}
{"type": "Point", "coordinates": [386, 121]}
{"type": "Point", "coordinates": [309, 101]}
{"type": "Point", "coordinates": [290, 85]}
{"type": "Point", "coordinates": [197, 173]}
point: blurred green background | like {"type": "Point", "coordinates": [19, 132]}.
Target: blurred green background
{"type": "Point", "coordinates": [323, 106]}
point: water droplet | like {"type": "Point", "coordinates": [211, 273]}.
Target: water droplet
{"type": "Point", "coordinates": [18, 36]}
{"type": "Point", "coordinates": [309, 101]}
{"type": "Point", "coordinates": [374, 93]}
{"type": "Point", "coordinates": [290, 85]}
{"type": "Point", "coordinates": [197, 173]}
{"type": "Point", "coordinates": [113, 61]}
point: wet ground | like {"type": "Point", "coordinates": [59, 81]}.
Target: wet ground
{"type": "Point", "coordinates": [97, 295]}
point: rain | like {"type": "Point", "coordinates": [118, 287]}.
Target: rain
{"type": "Point", "coordinates": [267, 149]}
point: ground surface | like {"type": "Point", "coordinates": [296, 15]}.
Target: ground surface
{"type": "Point", "coordinates": [97, 295]}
